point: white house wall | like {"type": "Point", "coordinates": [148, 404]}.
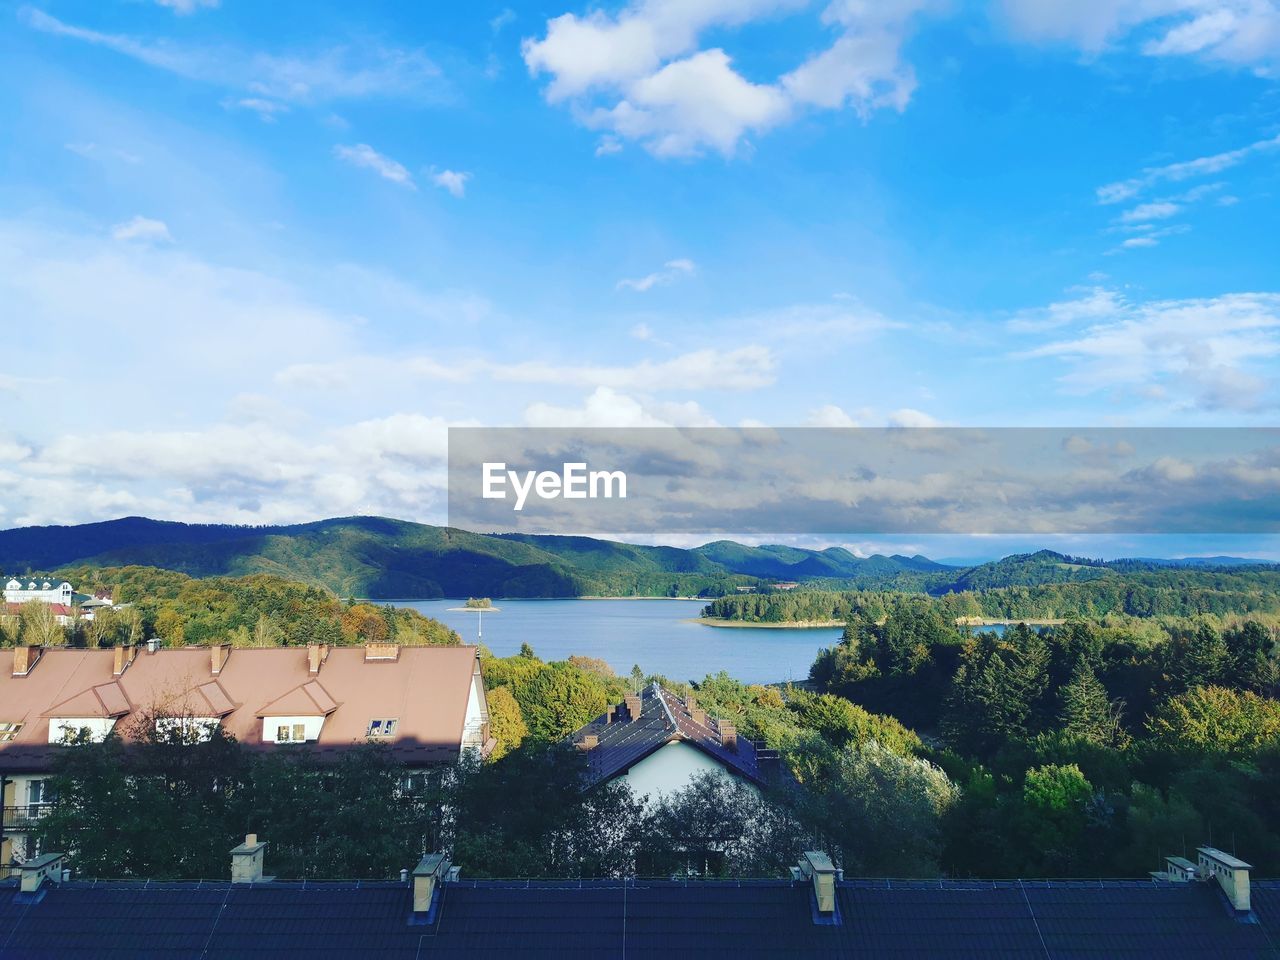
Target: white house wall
{"type": "Point", "coordinates": [670, 768]}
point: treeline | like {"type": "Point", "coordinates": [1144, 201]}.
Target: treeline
{"type": "Point", "coordinates": [257, 610]}
{"type": "Point", "coordinates": [1082, 749]}
{"type": "Point", "coordinates": [1158, 593]}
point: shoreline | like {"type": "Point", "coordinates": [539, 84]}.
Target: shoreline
{"type": "Point", "coordinates": [991, 622]}
{"type": "Point", "coordinates": [756, 625]}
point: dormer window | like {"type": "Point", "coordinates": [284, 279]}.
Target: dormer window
{"type": "Point", "coordinates": [291, 733]}
{"type": "Point", "coordinates": [381, 728]}
{"type": "Point", "coordinates": [9, 731]}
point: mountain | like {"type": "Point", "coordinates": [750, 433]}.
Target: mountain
{"type": "Point", "coordinates": [383, 558]}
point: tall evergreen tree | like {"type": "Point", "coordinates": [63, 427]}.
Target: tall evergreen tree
{"type": "Point", "coordinates": [1086, 710]}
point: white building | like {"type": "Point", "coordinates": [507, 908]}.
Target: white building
{"type": "Point", "coordinates": [49, 589]}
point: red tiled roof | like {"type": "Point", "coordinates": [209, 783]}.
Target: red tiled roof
{"type": "Point", "coordinates": [426, 689]}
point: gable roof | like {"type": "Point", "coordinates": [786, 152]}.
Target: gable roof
{"type": "Point", "coordinates": [426, 689]}
{"type": "Point", "coordinates": [643, 919]}
{"type": "Point", "coordinates": [624, 741]}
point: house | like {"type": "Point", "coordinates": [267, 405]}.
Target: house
{"type": "Point", "coordinates": [656, 742]}
{"type": "Point", "coordinates": [427, 703]}
{"type": "Point", "coordinates": [49, 589]}
{"type": "Point", "coordinates": [434, 911]}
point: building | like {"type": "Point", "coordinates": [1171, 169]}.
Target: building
{"type": "Point", "coordinates": [49, 589]}
{"type": "Point", "coordinates": [427, 703]}
{"type": "Point", "coordinates": [433, 911]}
{"type": "Point", "coordinates": [656, 742]}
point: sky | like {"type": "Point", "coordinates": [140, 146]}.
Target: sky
{"type": "Point", "coordinates": [255, 259]}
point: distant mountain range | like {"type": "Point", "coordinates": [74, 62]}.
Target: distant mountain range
{"type": "Point", "coordinates": [382, 558]}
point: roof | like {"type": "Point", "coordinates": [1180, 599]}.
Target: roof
{"type": "Point", "coordinates": [663, 718]}
{"type": "Point", "coordinates": [426, 689]}
{"type": "Point", "coordinates": [1224, 858]}
{"type": "Point", "coordinates": [35, 583]}
{"type": "Point", "coordinates": [638, 919]}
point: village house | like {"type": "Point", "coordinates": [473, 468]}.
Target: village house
{"type": "Point", "coordinates": [427, 703]}
{"type": "Point", "coordinates": [657, 742]}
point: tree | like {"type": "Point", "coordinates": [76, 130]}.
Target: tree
{"type": "Point", "coordinates": [560, 699]}
{"type": "Point", "coordinates": [506, 724]}
{"type": "Point", "coordinates": [1208, 720]}
{"type": "Point", "coordinates": [1054, 802]}
{"type": "Point", "coordinates": [39, 625]}
{"type": "Point", "coordinates": [1198, 660]}
{"type": "Point", "coordinates": [1086, 711]}
{"type": "Point", "coordinates": [1251, 658]}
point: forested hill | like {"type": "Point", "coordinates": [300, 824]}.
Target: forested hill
{"type": "Point", "coordinates": [382, 558]}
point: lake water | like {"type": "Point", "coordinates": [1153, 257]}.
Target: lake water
{"type": "Point", "coordinates": [656, 634]}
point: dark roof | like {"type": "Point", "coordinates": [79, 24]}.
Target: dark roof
{"type": "Point", "coordinates": [1124, 920]}
{"type": "Point", "coordinates": [625, 740]}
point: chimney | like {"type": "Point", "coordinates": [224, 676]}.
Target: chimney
{"type": "Point", "coordinates": [432, 869]}
{"type": "Point", "coordinates": [817, 866]}
{"type": "Point", "coordinates": [633, 705]}
{"type": "Point", "coordinates": [123, 656]}
{"type": "Point", "coordinates": [35, 872]}
{"type": "Point", "coordinates": [608, 714]}
{"type": "Point", "coordinates": [381, 651]}
{"type": "Point", "coordinates": [247, 860]}
{"type": "Point", "coordinates": [24, 659]}
{"type": "Point", "coordinates": [728, 734]}
{"type": "Point", "coordinates": [218, 658]}
{"type": "Point", "coordinates": [698, 715]}
{"type": "Point", "coordinates": [691, 703]}
{"type": "Point", "coordinates": [589, 742]}
{"type": "Point", "coordinates": [1231, 873]}
{"type": "Point", "coordinates": [318, 653]}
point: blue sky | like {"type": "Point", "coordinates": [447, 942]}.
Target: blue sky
{"type": "Point", "coordinates": [255, 258]}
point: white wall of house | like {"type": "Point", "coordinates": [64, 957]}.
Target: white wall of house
{"type": "Point", "coordinates": [58, 591]}
{"type": "Point", "coordinates": [271, 728]}
{"type": "Point", "coordinates": [670, 768]}
{"type": "Point", "coordinates": [473, 725]}
{"type": "Point", "coordinates": [62, 729]}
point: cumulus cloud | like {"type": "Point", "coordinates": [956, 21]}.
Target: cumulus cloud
{"type": "Point", "coordinates": [606, 407]}
{"type": "Point", "coordinates": [830, 415]}
{"type": "Point", "coordinates": [363, 155]}
{"type": "Point", "coordinates": [641, 75]}
{"type": "Point", "coordinates": [142, 229]}
{"type": "Point", "coordinates": [1215, 353]}
{"type": "Point", "coordinates": [671, 271]}
{"type": "Point", "coordinates": [452, 180]}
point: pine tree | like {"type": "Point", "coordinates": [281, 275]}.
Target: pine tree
{"type": "Point", "coordinates": [1200, 660]}
{"type": "Point", "coordinates": [1086, 710]}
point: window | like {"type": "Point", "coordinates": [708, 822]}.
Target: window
{"type": "Point", "coordinates": [381, 728]}
{"type": "Point", "coordinates": [291, 733]}
{"type": "Point", "coordinates": [9, 731]}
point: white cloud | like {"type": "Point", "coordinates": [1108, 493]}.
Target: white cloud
{"type": "Point", "coordinates": [452, 180]}
{"type": "Point", "coordinates": [640, 75]}
{"type": "Point", "coordinates": [503, 19]}
{"type": "Point", "coordinates": [1123, 190]}
{"type": "Point", "coordinates": [606, 407]}
{"type": "Point", "coordinates": [907, 417]}
{"type": "Point", "coordinates": [143, 229]}
{"type": "Point", "coordinates": [672, 270]}
{"type": "Point", "coordinates": [1215, 353]}
{"type": "Point", "coordinates": [350, 71]}
{"type": "Point", "coordinates": [1158, 210]}
{"type": "Point", "coordinates": [185, 7]}
{"type": "Point", "coordinates": [1095, 303]}
{"type": "Point", "coordinates": [363, 155]}
{"type": "Point", "coordinates": [93, 151]}
{"type": "Point", "coordinates": [830, 416]}
{"type": "Point", "coordinates": [608, 145]}
{"type": "Point", "coordinates": [267, 110]}
{"type": "Point", "coordinates": [1232, 32]}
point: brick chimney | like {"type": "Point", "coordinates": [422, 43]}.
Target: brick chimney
{"type": "Point", "coordinates": [633, 704]}
{"type": "Point", "coordinates": [218, 657]}
{"type": "Point", "coordinates": [691, 703]}
{"type": "Point", "coordinates": [318, 653]}
{"type": "Point", "coordinates": [698, 715]}
{"type": "Point", "coordinates": [728, 734]}
{"type": "Point", "coordinates": [35, 872]}
{"type": "Point", "coordinates": [122, 656]}
{"type": "Point", "coordinates": [589, 741]}
{"type": "Point", "coordinates": [431, 870]}
{"type": "Point", "coordinates": [817, 867]}
{"type": "Point", "coordinates": [247, 860]}
{"type": "Point", "coordinates": [608, 714]}
{"type": "Point", "coordinates": [1231, 873]}
{"type": "Point", "coordinates": [24, 659]}
{"type": "Point", "coordinates": [381, 651]}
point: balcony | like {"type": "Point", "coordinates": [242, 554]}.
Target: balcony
{"type": "Point", "coordinates": [25, 816]}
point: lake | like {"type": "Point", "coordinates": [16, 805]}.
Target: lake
{"type": "Point", "coordinates": [656, 634]}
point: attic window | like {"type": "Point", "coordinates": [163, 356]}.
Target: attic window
{"type": "Point", "coordinates": [381, 728]}
{"type": "Point", "coordinates": [291, 733]}
{"type": "Point", "coordinates": [9, 731]}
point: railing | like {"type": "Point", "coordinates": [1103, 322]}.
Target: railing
{"type": "Point", "coordinates": [25, 816]}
